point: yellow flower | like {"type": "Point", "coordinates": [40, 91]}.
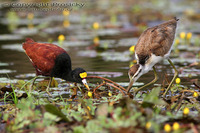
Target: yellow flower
{"type": "Point", "coordinates": [65, 12]}
{"type": "Point", "coordinates": [134, 61]}
{"type": "Point", "coordinates": [30, 26]}
{"type": "Point", "coordinates": [66, 23]}
{"type": "Point", "coordinates": [186, 111]}
{"type": "Point", "coordinates": [195, 94]}
{"type": "Point", "coordinates": [148, 125]}
{"type": "Point", "coordinates": [30, 16]}
{"type": "Point", "coordinates": [177, 41]}
{"type": "Point", "coordinates": [96, 25]}
{"type": "Point", "coordinates": [83, 75]}
{"type": "Point", "coordinates": [176, 126]}
{"type": "Point", "coordinates": [132, 48]}
{"type": "Point", "coordinates": [88, 108]}
{"type": "Point", "coordinates": [90, 94]}
{"type": "Point", "coordinates": [96, 40]}
{"type": "Point", "coordinates": [189, 35]}
{"type": "Point", "coordinates": [167, 128]}
{"type": "Point", "coordinates": [109, 94]}
{"type": "Point", "coordinates": [182, 35]}
{"type": "Point", "coordinates": [178, 80]}
{"type": "Point", "coordinates": [131, 64]}
{"type": "Point", "coordinates": [61, 37]}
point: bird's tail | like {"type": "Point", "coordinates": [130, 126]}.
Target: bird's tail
{"type": "Point", "coordinates": [28, 41]}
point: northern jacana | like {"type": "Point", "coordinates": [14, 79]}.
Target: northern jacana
{"type": "Point", "coordinates": [53, 61]}
{"type": "Point", "coordinates": [154, 45]}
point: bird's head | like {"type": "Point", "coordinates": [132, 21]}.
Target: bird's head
{"type": "Point", "coordinates": [79, 76]}
{"type": "Point", "coordinates": [134, 73]}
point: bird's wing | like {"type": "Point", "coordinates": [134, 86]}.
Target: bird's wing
{"type": "Point", "coordinates": [142, 47]}
{"type": "Point", "coordinates": [157, 40]}
{"type": "Point", "coordinates": [162, 37]}
{"type": "Point", "coordinates": [42, 55]}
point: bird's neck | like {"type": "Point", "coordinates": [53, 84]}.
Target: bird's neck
{"type": "Point", "coordinates": [151, 62]}
{"type": "Point", "coordinates": [146, 68]}
{"type": "Point", "coordinates": [68, 76]}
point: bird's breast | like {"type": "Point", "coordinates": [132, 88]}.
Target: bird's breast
{"type": "Point", "coordinates": [152, 61]}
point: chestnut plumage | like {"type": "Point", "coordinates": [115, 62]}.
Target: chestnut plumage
{"type": "Point", "coordinates": [53, 61]}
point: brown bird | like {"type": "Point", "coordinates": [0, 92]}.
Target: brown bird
{"type": "Point", "coordinates": [154, 45]}
{"type": "Point", "coordinates": [53, 61]}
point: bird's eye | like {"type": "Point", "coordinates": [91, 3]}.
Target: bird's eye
{"type": "Point", "coordinates": [83, 75]}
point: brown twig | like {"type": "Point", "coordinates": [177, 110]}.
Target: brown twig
{"type": "Point", "coordinates": [98, 77]}
{"type": "Point", "coordinates": [116, 88]}
{"type": "Point", "coordinates": [190, 65]}
{"type": "Point", "coordinates": [178, 105]}
{"type": "Point", "coordinates": [105, 83]}
{"type": "Point", "coordinates": [196, 85]}
{"type": "Point", "coordinates": [193, 127]}
{"type": "Point", "coordinates": [98, 87]}
{"type": "Point", "coordinates": [192, 91]}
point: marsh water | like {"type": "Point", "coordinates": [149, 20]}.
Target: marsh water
{"type": "Point", "coordinates": [110, 59]}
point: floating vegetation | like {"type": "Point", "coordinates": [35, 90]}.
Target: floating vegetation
{"type": "Point", "coordinates": [127, 42]}
{"type": "Point", "coordinates": [134, 84]}
{"type": "Point", "coordinates": [88, 53]}
{"type": "Point", "coordinates": [16, 47]}
{"type": "Point", "coordinates": [6, 37]}
{"type": "Point", "coordinates": [7, 80]}
{"type": "Point", "coordinates": [107, 74]}
{"type": "Point", "coordinates": [4, 71]}
{"type": "Point", "coordinates": [104, 32]}
{"type": "Point", "coordinates": [116, 56]}
{"type": "Point", "coordinates": [4, 64]}
{"type": "Point", "coordinates": [26, 31]}
{"type": "Point", "coordinates": [75, 43]}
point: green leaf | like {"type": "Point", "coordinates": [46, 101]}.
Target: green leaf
{"type": "Point", "coordinates": [153, 98]}
{"type": "Point", "coordinates": [55, 111]}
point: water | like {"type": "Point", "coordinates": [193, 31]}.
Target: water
{"type": "Point", "coordinates": [19, 62]}
{"type": "Point", "coordinates": [111, 41]}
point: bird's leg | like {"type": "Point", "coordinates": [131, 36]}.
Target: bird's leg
{"type": "Point", "coordinates": [74, 90]}
{"type": "Point", "coordinates": [153, 81]}
{"type": "Point", "coordinates": [175, 75]}
{"type": "Point", "coordinates": [33, 83]}
{"type": "Point", "coordinates": [47, 89]}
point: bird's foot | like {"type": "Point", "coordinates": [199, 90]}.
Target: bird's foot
{"type": "Point", "coordinates": [48, 93]}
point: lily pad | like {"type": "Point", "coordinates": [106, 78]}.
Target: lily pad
{"type": "Point", "coordinates": [26, 31]}
{"type": "Point", "coordinates": [3, 71]}
{"type": "Point", "coordinates": [16, 47]}
{"type": "Point", "coordinates": [6, 37]}
{"type": "Point", "coordinates": [127, 83]}
{"type": "Point", "coordinates": [107, 43]}
{"type": "Point", "coordinates": [4, 64]}
{"type": "Point", "coordinates": [105, 32]}
{"type": "Point", "coordinates": [81, 35]}
{"type": "Point", "coordinates": [116, 56]}
{"type": "Point", "coordinates": [75, 43]}
{"type": "Point", "coordinates": [25, 75]}
{"type": "Point", "coordinates": [6, 80]}
{"type": "Point", "coordinates": [53, 30]}
{"type": "Point", "coordinates": [127, 42]}
{"type": "Point", "coordinates": [107, 74]}
{"type": "Point", "coordinates": [184, 60]}
{"type": "Point", "coordinates": [87, 53]}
